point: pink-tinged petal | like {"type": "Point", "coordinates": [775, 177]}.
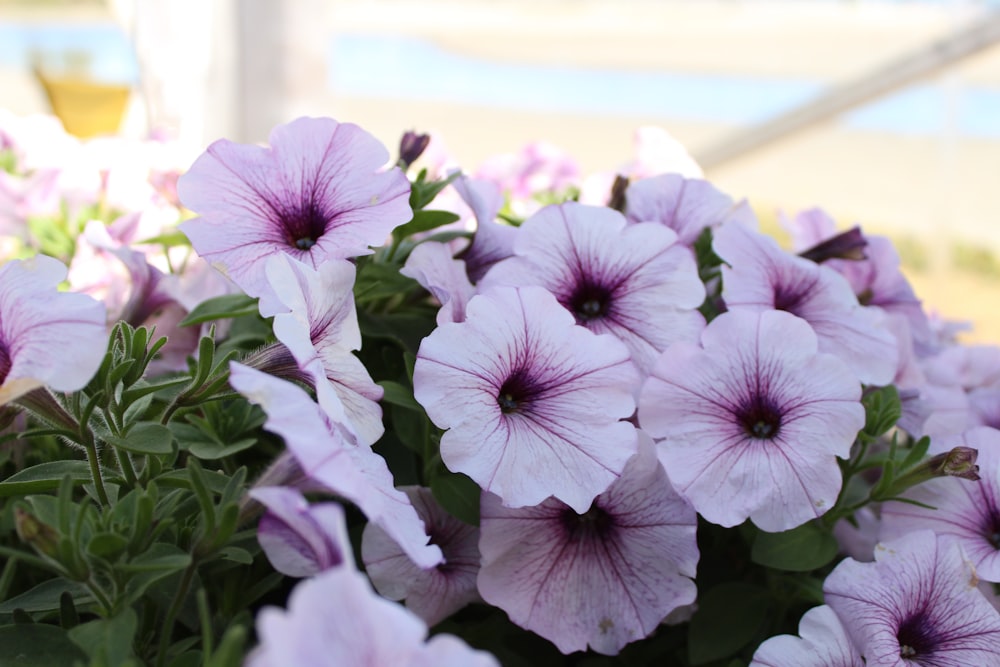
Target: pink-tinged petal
{"type": "Point", "coordinates": [36, 319]}
{"type": "Point", "coordinates": [823, 643]}
{"type": "Point", "coordinates": [315, 318]}
{"type": "Point", "coordinates": [532, 402]}
{"type": "Point", "coordinates": [492, 241]}
{"type": "Point", "coordinates": [631, 281]}
{"type": "Point", "coordinates": [761, 276]}
{"type": "Point", "coordinates": [967, 511]}
{"type": "Point", "coordinates": [605, 578]}
{"type": "Point", "coordinates": [432, 594]}
{"type": "Point", "coordinates": [685, 205]}
{"type": "Point", "coordinates": [328, 456]}
{"type": "Point", "coordinates": [432, 265]}
{"type": "Point", "coordinates": [299, 539]}
{"type": "Point", "coordinates": [917, 604]}
{"type": "Point", "coordinates": [753, 422]}
{"type": "Point", "coordinates": [336, 619]}
{"type": "Point", "coordinates": [450, 651]}
{"type": "Point", "coordinates": [316, 194]}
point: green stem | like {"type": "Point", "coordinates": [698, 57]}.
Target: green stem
{"type": "Point", "coordinates": [95, 469]}
{"type": "Point", "coordinates": [175, 608]}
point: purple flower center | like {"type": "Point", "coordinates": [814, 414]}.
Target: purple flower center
{"type": "Point", "coordinates": [5, 362]}
{"type": "Point", "coordinates": [759, 417]}
{"type": "Point", "coordinates": [993, 529]}
{"type": "Point", "coordinates": [788, 298]}
{"type": "Point", "coordinates": [303, 224]}
{"type": "Point", "coordinates": [516, 392]}
{"type": "Point", "coordinates": [916, 638]}
{"type": "Point", "coordinates": [589, 302]}
{"type": "Point", "coordinates": [595, 523]}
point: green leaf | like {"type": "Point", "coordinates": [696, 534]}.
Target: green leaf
{"type": "Point", "coordinates": [145, 438]}
{"type": "Point", "coordinates": [46, 597]}
{"type": "Point", "coordinates": [107, 641]}
{"type": "Point", "coordinates": [107, 545]}
{"type": "Point", "coordinates": [209, 450]}
{"type": "Point", "coordinates": [379, 280]}
{"type": "Point", "coordinates": [423, 192]}
{"type": "Point", "coordinates": [882, 410]}
{"type": "Point", "coordinates": [801, 549]}
{"type": "Point", "coordinates": [221, 307]}
{"type": "Point", "coordinates": [37, 645]}
{"type": "Point", "coordinates": [397, 394]}
{"type": "Point", "coordinates": [174, 238]}
{"type": "Point", "coordinates": [236, 554]}
{"type": "Point", "coordinates": [424, 221]}
{"type": "Point", "coordinates": [46, 477]}
{"type": "Point", "coordinates": [407, 329]}
{"type": "Point", "coordinates": [160, 557]}
{"type": "Point", "coordinates": [459, 495]}
{"type": "Point", "coordinates": [729, 617]}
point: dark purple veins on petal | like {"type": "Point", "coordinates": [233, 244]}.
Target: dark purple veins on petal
{"type": "Point", "coordinates": [516, 393]}
{"type": "Point", "coordinates": [916, 637]}
{"type": "Point", "coordinates": [589, 301]}
{"type": "Point", "coordinates": [303, 223]}
{"type": "Point", "coordinates": [759, 417]}
{"type": "Point", "coordinates": [789, 298]}
{"type": "Point", "coordinates": [5, 362]}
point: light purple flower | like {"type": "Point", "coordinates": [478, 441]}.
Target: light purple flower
{"type": "Point", "coordinates": [432, 594]}
{"type": "Point", "coordinates": [336, 620]}
{"type": "Point", "coordinates": [492, 241]}
{"type": "Point", "coordinates": [685, 205]}
{"type": "Point", "coordinates": [315, 318]}
{"type": "Point", "coordinates": [433, 265]}
{"type": "Point", "coordinates": [300, 539]}
{"type": "Point", "coordinates": [328, 456]}
{"type": "Point", "coordinates": [762, 276]}
{"type": "Point", "coordinates": [753, 422]}
{"type": "Point", "coordinates": [964, 510]}
{"type": "Point", "coordinates": [603, 578]}
{"type": "Point", "coordinates": [917, 604]}
{"type": "Point", "coordinates": [37, 320]}
{"type": "Point", "coordinates": [632, 281]}
{"type": "Point", "coordinates": [316, 194]}
{"type": "Point", "coordinates": [532, 402]}
{"type": "Point", "coordinates": [823, 643]}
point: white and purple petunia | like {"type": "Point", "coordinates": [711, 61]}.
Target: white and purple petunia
{"type": "Point", "coordinates": [968, 511]}
{"type": "Point", "coordinates": [753, 421]}
{"type": "Point", "coordinates": [335, 619]}
{"type": "Point", "coordinates": [822, 642]}
{"type": "Point", "coordinates": [533, 404]}
{"type": "Point", "coordinates": [918, 604]}
{"type": "Point", "coordinates": [762, 276]}
{"type": "Point", "coordinates": [632, 281]}
{"type": "Point", "coordinates": [315, 318]}
{"type": "Point", "coordinates": [602, 578]}
{"type": "Point", "coordinates": [317, 193]}
{"type": "Point", "coordinates": [435, 593]}
{"type": "Point", "coordinates": [328, 456]}
{"type": "Point", "coordinates": [300, 539]}
{"type": "Point", "coordinates": [36, 319]}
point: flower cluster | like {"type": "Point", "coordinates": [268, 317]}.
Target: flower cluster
{"type": "Point", "coordinates": [393, 414]}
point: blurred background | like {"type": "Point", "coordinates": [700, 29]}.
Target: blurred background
{"type": "Point", "coordinates": [885, 113]}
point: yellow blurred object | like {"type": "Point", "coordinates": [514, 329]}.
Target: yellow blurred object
{"type": "Point", "coordinates": [86, 108]}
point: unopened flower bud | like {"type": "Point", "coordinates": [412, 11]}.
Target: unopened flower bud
{"type": "Point", "coordinates": [40, 536]}
{"type": "Point", "coordinates": [846, 245]}
{"type": "Point", "coordinates": [617, 199]}
{"type": "Point", "coordinates": [959, 462]}
{"type": "Point", "coordinates": [411, 147]}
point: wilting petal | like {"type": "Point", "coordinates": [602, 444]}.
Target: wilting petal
{"type": "Point", "coordinates": [432, 594]}
{"type": "Point", "coordinates": [327, 456]}
{"type": "Point", "coordinates": [532, 402]}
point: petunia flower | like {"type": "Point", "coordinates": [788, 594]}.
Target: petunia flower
{"type": "Point", "coordinates": [532, 403]}
{"type": "Point", "coordinates": [632, 281]}
{"type": "Point", "coordinates": [603, 578]}
{"type": "Point", "coordinates": [328, 456]}
{"type": "Point", "coordinates": [316, 320]}
{"type": "Point", "coordinates": [918, 604]}
{"type": "Point", "coordinates": [300, 539]}
{"type": "Point", "coordinates": [335, 619]}
{"type": "Point", "coordinates": [432, 594]}
{"type": "Point", "coordinates": [433, 265]}
{"type": "Point", "coordinates": [762, 276]}
{"type": "Point", "coordinates": [36, 320]}
{"type": "Point", "coordinates": [316, 194]}
{"type": "Point", "coordinates": [686, 205]}
{"type": "Point", "coordinates": [822, 642]}
{"type": "Point", "coordinates": [754, 420]}
{"type": "Point", "coordinates": [968, 511]}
